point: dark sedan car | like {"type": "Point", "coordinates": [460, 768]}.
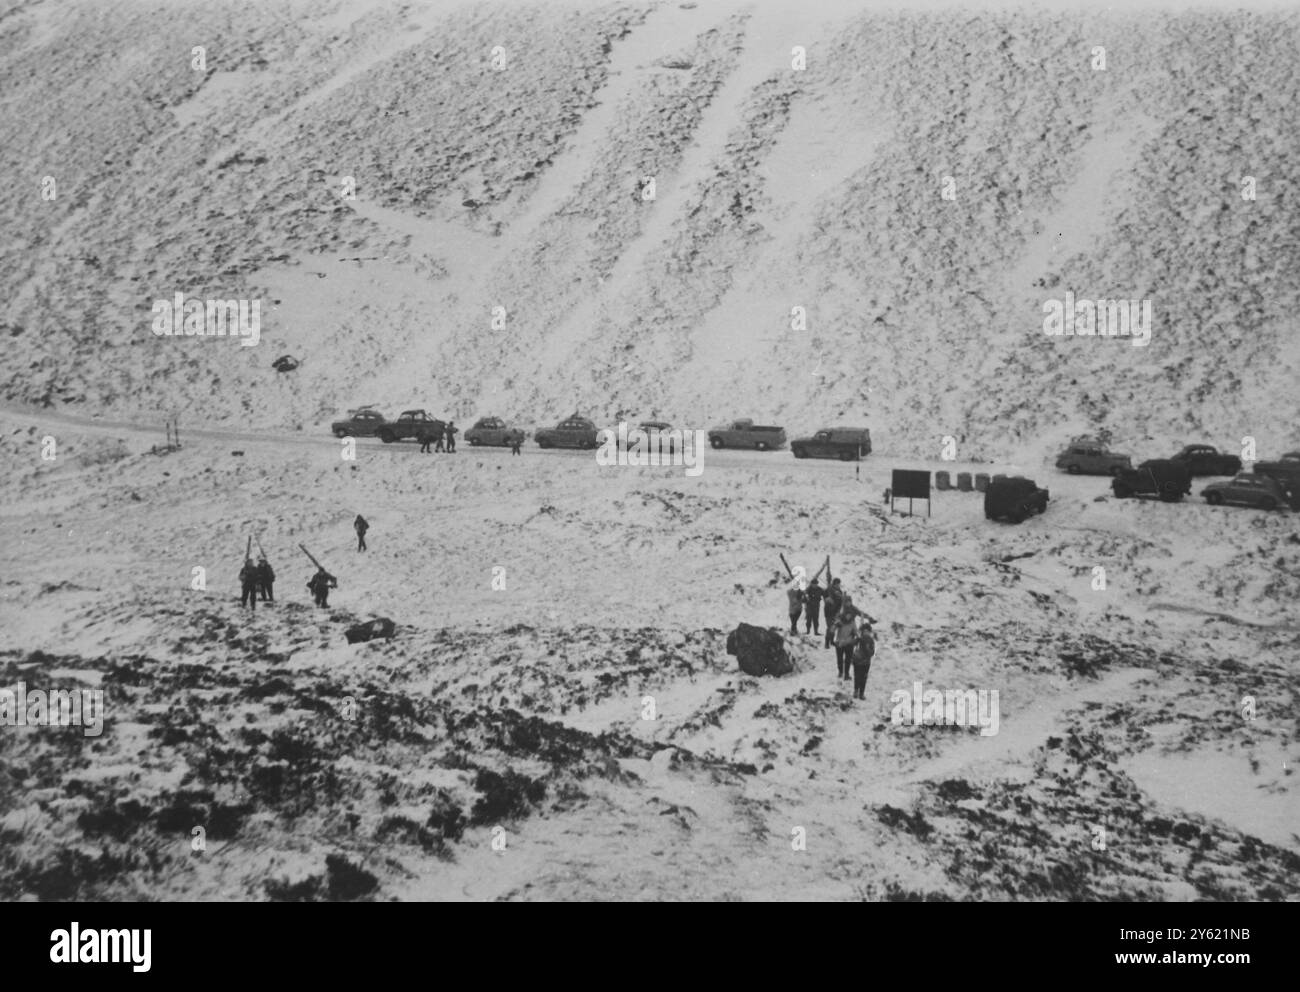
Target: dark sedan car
{"type": "Point", "coordinates": [1202, 459]}
{"type": "Point", "coordinates": [362, 422]}
{"type": "Point", "coordinates": [572, 432]}
{"type": "Point", "coordinates": [1247, 489]}
{"type": "Point", "coordinates": [493, 430]}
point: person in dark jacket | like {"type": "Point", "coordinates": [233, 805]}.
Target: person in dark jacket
{"type": "Point", "coordinates": [845, 634]}
{"type": "Point", "coordinates": [248, 584]}
{"type": "Point", "coordinates": [265, 579]}
{"type": "Point", "coordinates": [812, 597]}
{"type": "Point", "coordinates": [834, 597]}
{"type": "Point", "coordinates": [320, 585]}
{"type": "Point", "coordinates": [864, 649]}
{"type": "Point", "coordinates": [516, 439]}
{"type": "Point", "coordinates": [360, 526]}
{"type": "Point", "coordinates": [426, 439]}
{"type": "Point", "coordinates": [795, 596]}
{"type": "Point", "coordinates": [451, 433]}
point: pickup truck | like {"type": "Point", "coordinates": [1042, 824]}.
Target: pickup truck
{"type": "Point", "coordinates": [571, 432]}
{"type": "Point", "coordinates": [848, 444]}
{"type": "Point", "coordinates": [747, 434]}
{"type": "Point", "coordinates": [1201, 459]}
{"type": "Point", "coordinates": [410, 424]}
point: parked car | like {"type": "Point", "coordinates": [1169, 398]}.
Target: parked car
{"type": "Point", "coordinates": [1286, 472]}
{"type": "Point", "coordinates": [1014, 498]}
{"type": "Point", "coordinates": [746, 434]}
{"type": "Point", "coordinates": [361, 422]}
{"type": "Point", "coordinates": [1164, 477]}
{"type": "Point", "coordinates": [656, 431]}
{"type": "Point", "coordinates": [1202, 459]}
{"type": "Point", "coordinates": [572, 432]}
{"type": "Point", "coordinates": [848, 444]}
{"type": "Point", "coordinates": [1248, 489]}
{"type": "Point", "coordinates": [410, 424]}
{"type": "Point", "coordinates": [1088, 456]}
{"type": "Point", "coordinates": [493, 430]}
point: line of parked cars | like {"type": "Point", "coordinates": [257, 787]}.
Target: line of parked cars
{"type": "Point", "coordinates": [1269, 486]}
{"type": "Point", "coordinates": [844, 443]}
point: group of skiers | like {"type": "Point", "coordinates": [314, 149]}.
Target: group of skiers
{"type": "Point", "coordinates": [257, 580]}
{"type": "Point", "coordinates": [443, 440]}
{"type": "Point", "coordinates": [848, 628]}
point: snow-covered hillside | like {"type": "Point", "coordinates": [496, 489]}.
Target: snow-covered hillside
{"type": "Point", "coordinates": [500, 154]}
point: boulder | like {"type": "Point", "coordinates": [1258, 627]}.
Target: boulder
{"type": "Point", "coordinates": [759, 650]}
{"type": "Point", "coordinates": [371, 629]}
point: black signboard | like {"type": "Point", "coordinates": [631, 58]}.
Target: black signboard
{"type": "Point", "coordinates": [911, 483]}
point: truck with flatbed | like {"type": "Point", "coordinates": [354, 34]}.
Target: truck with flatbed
{"type": "Point", "coordinates": [747, 434]}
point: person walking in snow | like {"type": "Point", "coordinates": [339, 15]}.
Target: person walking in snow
{"type": "Point", "coordinates": [795, 597]}
{"type": "Point", "coordinates": [248, 585]}
{"type": "Point", "coordinates": [320, 585]}
{"type": "Point", "coordinates": [834, 597]}
{"type": "Point", "coordinates": [265, 579]}
{"type": "Point", "coordinates": [360, 526]}
{"type": "Point", "coordinates": [812, 597]}
{"type": "Point", "coordinates": [864, 649]}
{"type": "Point", "coordinates": [845, 635]}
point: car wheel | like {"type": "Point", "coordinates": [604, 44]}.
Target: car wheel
{"type": "Point", "coordinates": [387, 437]}
{"type": "Point", "coordinates": [1072, 469]}
{"type": "Point", "coordinates": [1122, 492]}
{"type": "Point", "coordinates": [716, 442]}
{"type": "Point", "coordinates": [543, 444]}
{"type": "Point", "coordinates": [1113, 471]}
{"type": "Point", "coordinates": [1214, 499]}
{"type": "Point", "coordinates": [1268, 503]}
{"type": "Point", "coordinates": [761, 445]}
{"type": "Point", "coordinates": [799, 452]}
{"type": "Point", "coordinates": [846, 456]}
{"type": "Point", "coordinates": [340, 433]}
